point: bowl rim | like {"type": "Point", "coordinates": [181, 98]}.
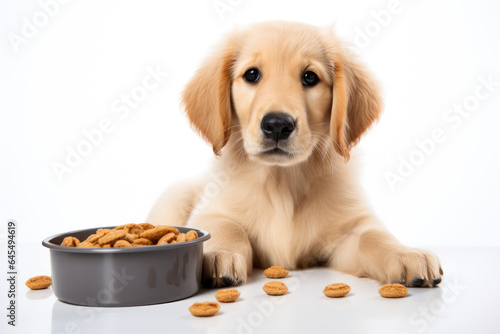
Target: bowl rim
{"type": "Point", "coordinates": [152, 248]}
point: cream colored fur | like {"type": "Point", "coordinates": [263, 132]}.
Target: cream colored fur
{"type": "Point", "coordinates": [294, 211]}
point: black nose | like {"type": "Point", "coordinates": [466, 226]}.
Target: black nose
{"type": "Point", "coordinates": [277, 125]}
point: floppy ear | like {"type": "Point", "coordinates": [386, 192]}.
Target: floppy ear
{"type": "Point", "coordinates": [356, 101]}
{"type": "Point", "coordinates": [207, 97]}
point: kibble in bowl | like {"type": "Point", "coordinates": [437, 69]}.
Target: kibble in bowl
{"type": "Point", "coordinates": [114, 268]}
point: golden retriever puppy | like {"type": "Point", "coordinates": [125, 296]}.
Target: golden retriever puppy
{"type": "Point", "coordinates": [282, 104]}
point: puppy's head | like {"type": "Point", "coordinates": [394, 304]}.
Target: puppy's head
{"type": "Point", "coordinates": [284, 89]}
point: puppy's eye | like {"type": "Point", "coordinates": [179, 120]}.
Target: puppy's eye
{"type": "Point", "coordinates": [310, 79]}
{"type": "Point", "coordinates": [252, 75]}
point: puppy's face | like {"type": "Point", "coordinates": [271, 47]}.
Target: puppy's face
{"type": "Point", "coordinates": [282, 89]}
{"type": "Point", "coordinates": [282, 94]}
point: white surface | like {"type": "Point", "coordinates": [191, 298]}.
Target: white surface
{"type": "Point", "coordinates": [467, 301]}
{"type": "Point", "coordinates": [66, 77]}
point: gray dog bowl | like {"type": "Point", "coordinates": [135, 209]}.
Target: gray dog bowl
{"type": "Point", "coordinates": [127, 276]}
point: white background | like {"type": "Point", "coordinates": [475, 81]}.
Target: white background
{"type": "Point", "coordinates": [64, 79]}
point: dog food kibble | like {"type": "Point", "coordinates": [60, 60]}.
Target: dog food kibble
{"type": "Point", "coordinates": [96, 236]}
{"type": "Point", "coordinates": [70, 242]}
{"type": "Point", "coordinates": [111, 237]}
{"type": "Point", "coordinates": [191, 235]}
{"type": "Point", "coordinates": [132, 235]}
{"type": "Point", "coordinates": [336, 290]}
{"type": "Point", "coordinates": [205, 309]}
{"type": "Point", "coordinates": [227, 296]}
{"type": "Point", "coordinates": [142, 242]}
{"type": "Point", "coordinates": [121, 243]}
{"type": "Point", "coordinates": [39, 282]}
{"type": "Point", "coordinates": [88, 244]}
{"type": "Point", "coordinates": [276, 272]}
{"type": "Point", "coordinates": [393, 291]}
{"type": "Point", "coordinates": [275, 288]}
{"type": "Point", "coordinates": [146, 226]}
{"type": "Point", "coordinates": [181, 237]}
{"type": "Point", "coordinates": [155, 234]}
{"type": "Point", "coordinates": [167, 239]}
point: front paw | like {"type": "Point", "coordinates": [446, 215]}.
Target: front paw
{"type": "Point", "coordinates": [413, 268]}
{"type": "Point", "coordinates": [223, 268]}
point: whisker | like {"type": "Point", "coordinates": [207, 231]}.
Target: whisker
{"type": "Point", "coordinates": [318, 124]}
{"type": "Point", "coordinates": [323, 147]}
{"type": "Point", "coordinates": [223, 134]}
{"type": "Point", "coordinates": [322, 134]}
